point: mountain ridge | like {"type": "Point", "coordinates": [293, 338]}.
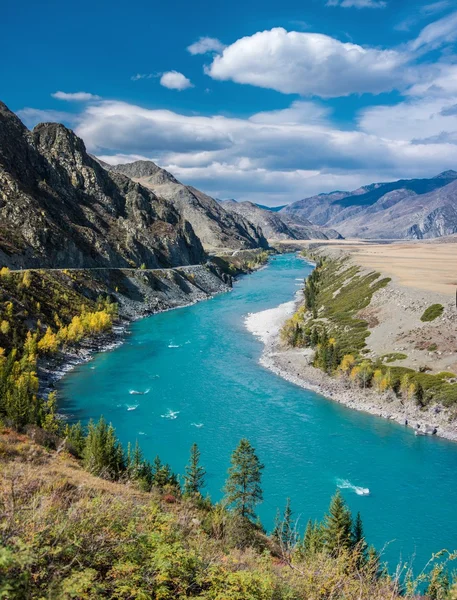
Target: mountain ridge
{"type": "Point", "coordinates": [59, 208]}
{"type": "Point", "coordinates": [405, 209]}
{"type": "Point", "coordinates": [217, 228]}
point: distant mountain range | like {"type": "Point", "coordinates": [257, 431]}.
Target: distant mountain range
{"type": "Point", "coordinates": [404, 209]}
{"type": "Point", "coordinates": [279, 226]}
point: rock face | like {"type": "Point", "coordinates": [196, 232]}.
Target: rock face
{"type": "Point", "coordinates": [60, 208]}
{"type": "Point", "coordinates": [216, 227]}
{"type": "Point", "coordinates": [405, 209]}
{"type": "Point", "coordinates": [279, 226]}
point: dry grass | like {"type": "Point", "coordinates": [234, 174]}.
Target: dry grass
{"type": "Point", "coordinates": [424, 265]}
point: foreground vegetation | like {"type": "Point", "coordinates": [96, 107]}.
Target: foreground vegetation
{"type": "Point", "coordinates": [329, 321]}
{"type": "Point", "coordinates": [67, 534]}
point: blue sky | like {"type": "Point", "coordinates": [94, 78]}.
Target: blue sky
{"type": "Point", "coordinates": [264, 101]}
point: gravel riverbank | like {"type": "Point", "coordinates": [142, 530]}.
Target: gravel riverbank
{"type": "Point", "coordinates": [294, 365]}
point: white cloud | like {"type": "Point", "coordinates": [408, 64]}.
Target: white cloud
{"type": "Point", "coordinates": [206, 44]}
{"type": "Point", "coordinates": [438, 80]}
{"type": "Point", "coordinates": [308, 64]}
{"type": "Point", "coordinates": [75, 96]}
{"type": "Point", "coordinates": [174, 80]}
{"type": "Point", "coordinates": [280, 155]}
{"type": "Point", "coordinates": [437, 34]}
{"type": "Point", "coordinates": [121, 159]}
{"type": "Point", "coordinates": [139, 76]}
{"type": "Point", "coordinates": [358, 3]}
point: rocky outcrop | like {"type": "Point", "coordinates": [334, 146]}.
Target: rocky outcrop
{"type": "Point", "coordinates": [279, 226]}
{"type": "Point", "coordinates": [60, 208]}
{"type": "Point", "coordinates": [408, 209]}
{"type": "Point", "coordinates": [217, 228]}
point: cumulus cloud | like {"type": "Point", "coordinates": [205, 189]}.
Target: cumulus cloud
{"type": "Point", "coordinates": [173, 80]}
{"type": "Point", "coordinates": [358, 3]}
{"type": "Point", "coordinates": [206, 44]}
{"type": "Point", "coordinates": [75, 96]}
{"type": "Point", "coordinates": [308, 64]}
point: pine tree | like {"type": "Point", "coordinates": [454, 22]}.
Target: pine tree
{"type": "Point", "coordinates": [103, 454]}
{"type": "Point", "coordinates": [358, 540]}
{"type": "Point", "coordinates": [284, 529]}
{"type": "Point", "coordinates": [162, 475]}
{"type": "Point", "coordinates": [242, 487]}
{"type": "Point", "coordinates": [312, 540]}
{"type": "Point", "coordinates": [373, 564]}
{"type": "Point", "coordinates": [338, 526]}
{"type": "Point", "coordinates": [75, 438]}
{"type": "Point", "coordinates": [194, 479]}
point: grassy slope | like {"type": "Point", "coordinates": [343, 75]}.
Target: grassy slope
{"type": "Point", "coordinates": [343, 290]}
{"type": "Point", "coordinates": [67, 534]}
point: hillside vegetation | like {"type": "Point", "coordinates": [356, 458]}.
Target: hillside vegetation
{"type": "Point", "coordinates": [329, 321]}
{"type": "Point", "coordinates": [67, 534]}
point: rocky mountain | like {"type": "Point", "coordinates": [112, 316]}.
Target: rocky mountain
{"type": "Point", "coordinates": [279, 226]}
{"type": "Point", "coordinates": [216, 227]}
{"type": "Point", "coordinates": [414, 209]}
{"type": "Point", "coordinates": [60, 208]}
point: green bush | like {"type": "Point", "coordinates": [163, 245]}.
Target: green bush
{"type": "Point", "coordinates": [432, 312]}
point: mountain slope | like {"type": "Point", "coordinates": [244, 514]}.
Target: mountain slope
{"type": "Point", "coordinates": [413, 208]}
{"type": "Point", "coordinates": [279, 226]}
{"type": "Point", "coordinates": [60, 208]}
{"type": "Point", "coordinates": [216, 227]}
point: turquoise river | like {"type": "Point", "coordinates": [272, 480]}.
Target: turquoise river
{"type": "Point", "coordinates": [200, 365]}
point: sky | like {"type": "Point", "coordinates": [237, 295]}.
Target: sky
{"type": "Point", "coordinates": [254, 100]}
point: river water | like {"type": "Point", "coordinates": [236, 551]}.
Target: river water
{"type": "Point", "coordinates": [198, 370]}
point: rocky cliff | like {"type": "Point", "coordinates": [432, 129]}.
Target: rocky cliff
{"type": "Point", "coordinates": [60, 208]}
{"type": "Point", "coordinates": [216, 227]}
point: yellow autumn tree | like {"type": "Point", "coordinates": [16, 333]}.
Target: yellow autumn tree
{"type": "Point", "coordinates": [5, 327]}
{"type": "Point", "coordinates": [378, 379]}
{"type": "Point", "coordinates": [26, 280]}
{"type": "Point", "coordinates": [49, 343]}
{"type": "Point", "coordinates": [347, 363]}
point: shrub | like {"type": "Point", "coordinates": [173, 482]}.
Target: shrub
{"type": "Point", "coordinates": [432, 312]}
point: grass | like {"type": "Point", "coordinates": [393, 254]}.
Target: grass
{"type": "Point", "coordinates": [432, 312]}
{"type": "Point", "coordinates": [393, 356]}
{"type": "Point", "coordinates": [343, 291]}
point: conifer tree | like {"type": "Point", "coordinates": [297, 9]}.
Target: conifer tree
{"type": "Point", "coordinates": [162, 475]}
{"type": "Point", "coordinates": [242, 487]}
{"type": "Point", "coordinates": [338, 526]}
{"type": "Point", "coordinates": [373, 564]}
{"type": "Point", "coordinates": [194, 479]}
{"type": "Point", "coordinates": [103, 455]}
{"type": "Point", "coordinates": [358, 540]}
{"type": "Point", "coordinates": [284, 531]}
{"type": "Point", "coordinates": [312, 540]}
{"type": "Point", "coordinates": [75, 437]}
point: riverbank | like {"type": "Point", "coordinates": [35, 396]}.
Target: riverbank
{"type": "Point", "coordinates": [143, 294]}
{"type": "Point", "coordinates": [295, 365]}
